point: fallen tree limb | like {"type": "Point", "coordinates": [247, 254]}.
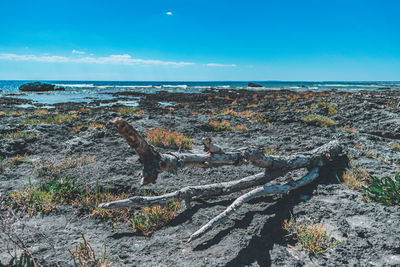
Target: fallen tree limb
{"type": "Point", "coordinates": [155, 163]}
{"type": "Point", "coordinates": [258, 192]}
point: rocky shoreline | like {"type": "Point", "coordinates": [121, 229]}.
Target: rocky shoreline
{"type": "Point", "coordinates": [366, 123]}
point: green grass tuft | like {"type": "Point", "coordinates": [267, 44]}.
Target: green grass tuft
{"type": "Point", "coordinates": [385, 190]}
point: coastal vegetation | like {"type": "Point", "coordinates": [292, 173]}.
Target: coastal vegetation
{"type": "Point", "coordinates": [168, 139]}
{"type": "Point", "coordinates": [314, 238]}
{"type": "Point", "coordinates": [319, 120]}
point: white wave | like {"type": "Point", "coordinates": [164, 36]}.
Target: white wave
{"type": "Point", "coordinates": [174, 86]}
{"type": "Point", "coordinates": [76, 85]}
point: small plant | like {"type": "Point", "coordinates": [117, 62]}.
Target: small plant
{"type": "Point", "coordinates": [355, 177]}
{"type": "Point", "coordinates": [246, 114]}
{"type": "Point", "coordinates": [395, 146]}
{"type": "Point", "coordinates": [319, 120]}
{"type": "Point", "coordinates": [268, 151]}
{"type": "Point", "coordinates": [258, 118]}
{"type": "Point", "coordinates": [17, 135]}
{"type": "Point", "coordinates": [78, 128]}
{"type": "Point", "coordinates": [54, 168]}
{"type": "Point", "coordinates": [240, 127]}
{"type": "Point", "coordinates": [283, 108]}
{"type": "Point", "coordinates": [152, 218]}
{"type": "Point", "coordinates": [84, 255]}
{"type": "Point", "coordinates": [228, 111]}
{"type": "Point", "coordinates": [131, 110]}
{"type": "Point", "coordinates": [17, 160]}
{"type": "Point", "coordinates": [385, 190]}
{"type": "Point", "coordinates": [44, 197]}
{"type": "Point", "coordinates": [219, 126]}
{"type": "Point", "coordinates": [313, 238]}
{"type": "Point", "coordinates": [331, 108]}
{"type": "Point", "coordinates": [348, 129]}
{"type": "Point", "coordinates": [50, 119]}
{"type": "Point", "coordinates": [169, 139]}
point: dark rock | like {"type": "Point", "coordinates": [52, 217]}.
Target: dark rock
{"type": "Point", "coordinates": [254, 85]}
{"type": "Point", "coordinates": [36, 87]}
{"type": "Point", "coordinates": [59, 89]}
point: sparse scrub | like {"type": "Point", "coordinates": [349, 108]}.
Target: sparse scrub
{"type": "Point", "coordinates": [93, 124]}
{"type": "Point", "coordinates": [131, 110]}
{"type": "Point", "coordinates": [269, 151]}
{"type": "Point", "coordinates": [50, 119]}
{"type": "Point", "coordinates": [152, 218]}
{"type": "Point", "coordinates": [313, 238]}
{"type": "Point", "coordinates": [395, 146]}
{"type": "Point", "coordinates": [54, 168]}
{"type": "Point", "coordinates": [228, 111]}
{"type": "Point", "coordinates": [246, 114]}
{"type": "Point", "coordinates": [17, 135]}
{"type": "Point", "coordinates": [331, 108]}
{"type": "Point", "coordinates": [385, 190]}
{"type": "Point", "coordinates": [169, 139]}
{"type": "Point", "coordinates": [319, 120]}
{"type": "Point", "coordinates": [219, 126]}
{"type": "Point", "coordinates": [348, 129]}
{"type": "Point", "coordinates": [258, 118]}
{"type": "Point", "coordinates": [355, 177]}
{"type": "Point", "coordinates": [84, 255]}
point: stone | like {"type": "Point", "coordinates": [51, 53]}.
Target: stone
{"type": "Point", "coordinates": [36, 87]}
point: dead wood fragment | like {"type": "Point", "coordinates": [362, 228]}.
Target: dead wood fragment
{"type": "Point", "coordinates": [275, 166]}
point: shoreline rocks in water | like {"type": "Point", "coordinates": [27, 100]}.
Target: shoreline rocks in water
{"type": "Point", "coordinates": [39, 87]}
{"type": "Point", "coordinates": [253, 85]}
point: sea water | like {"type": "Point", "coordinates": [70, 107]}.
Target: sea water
{"type": "Point", "coordinates": [87, 91]}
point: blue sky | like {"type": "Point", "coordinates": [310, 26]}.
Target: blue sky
{"type": "Point", "coordinates": [200, 40]}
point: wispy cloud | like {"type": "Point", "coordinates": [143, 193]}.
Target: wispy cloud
{"type": "Point", "coordinates": [124, 59]}
{"type": "Point", "coordinates": [78, 52]}
{"type": "Point", "coordinates": [169, 13]}
{"type": "Point", "coordinates": [219, 65]}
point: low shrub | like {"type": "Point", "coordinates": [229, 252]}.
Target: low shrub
{"type": "Point", "coordinates": [93, 124]}
{"type": "Point", "coordinates": [131, 110]}
{"type": "Point", "coordinates": [168, 139]}
{"type": "Point", "coordinates": [50, 119]}
{"type": "Point", "coordinates": [17, 135]}
{"type": "Point", "coordinates": [395, 146]}
{"type": "Point", "coordinates": [84, 255]}
{"type": "Point", "coordinates": [313, 238]}
{"type": "Point", "coordinates": [319, 120]}
{"type": "Point", "coordinates": [219, 126]}
{"type": "Point", "coordinates": [385, 190]}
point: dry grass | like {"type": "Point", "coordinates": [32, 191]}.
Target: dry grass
{"type": "Point", "coordinates": [168, 139]}
{"type": "Point", "coordinates": [395, 146]}
{"type": "Point", "coordinates": [313, 238]}
{"type": "Point", "coordinates": [84, 255]}
{"type": "Point", "coordinates": [50, 119]}
{"type": "Point", "coordinates": [269, 151]}
{"type": "Point", "coordinates": [348, 129]}
{"type": "Point", "coordinates": [219, 126]}
{"type": "Point", "coordinates": [93, 124]}
{"type": "Point", "coordinates": [131, 110]}
{"type": "Point", "coordinates": [355, 177]}
{"type": "Point", "coordinates": [319, 120]}
{"type": "Point", "coordinates": [331, 107]}
{"type": "Point", "coordinates": [17, 135]}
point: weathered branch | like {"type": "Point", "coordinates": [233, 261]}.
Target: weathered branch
{"type": "Point", "coordinates": [261, 191]}
{"type": "Point", "coordinates": [190, 192]}
{"type": "Point", "coordinates": [155, 163]}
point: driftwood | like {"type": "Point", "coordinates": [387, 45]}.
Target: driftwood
{"type": "Point", "coordinates": [155, 163]}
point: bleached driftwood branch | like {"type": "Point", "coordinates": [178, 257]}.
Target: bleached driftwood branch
{"type": "Point", "coordinates": [275, 166]}
{"type": "Point", "coordinates": [155, 163]}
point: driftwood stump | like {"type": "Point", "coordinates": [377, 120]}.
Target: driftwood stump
{"type": "Point", "coordinates": [155, 163]}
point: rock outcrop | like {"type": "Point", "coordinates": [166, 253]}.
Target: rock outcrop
{"type": "Point", "coordinates": [39, 87]}
{"type": "Point", "coordinates": [254, 85]}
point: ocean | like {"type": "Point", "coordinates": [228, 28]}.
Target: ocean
{"type": "Point", "coordinates": [87, 91]}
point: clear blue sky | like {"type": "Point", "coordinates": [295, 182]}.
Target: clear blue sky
{"type": "Point", "coordinates": [200, 40]}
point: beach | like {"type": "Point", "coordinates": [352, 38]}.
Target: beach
{"type": "Point", "coordinates": [77, 140]}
